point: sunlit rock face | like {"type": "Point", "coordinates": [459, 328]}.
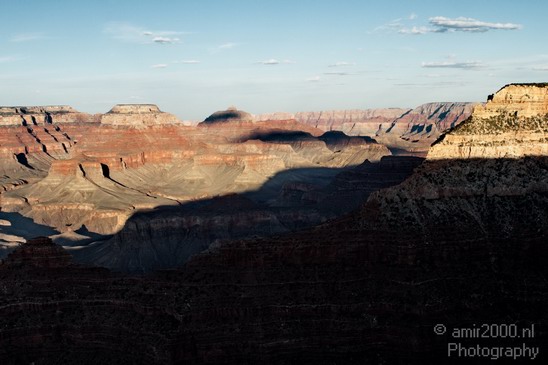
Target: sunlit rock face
{"type": "Point", "coordinates": [41, 115]}
{"type": "Point", "coordinates": [137, 115]}
{"type": "Point", "coordinates": [523, 100]}
{"type": "Point", "coordinates": [512, 124]}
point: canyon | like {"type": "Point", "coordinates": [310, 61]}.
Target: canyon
{"type": "Point", "coordinates": [91, 181]}
{"type": "Point", "coordinates": [365, 250]}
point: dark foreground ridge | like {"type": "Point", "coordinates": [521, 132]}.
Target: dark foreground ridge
{"type": "Point", "coordinates": [369, 287]}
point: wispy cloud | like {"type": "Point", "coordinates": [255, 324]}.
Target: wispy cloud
{"type": "Point", "coordinates": [341, 64]}
{"type": "Point", "coordinates": [188, 62]}
{"type": "Point", "coordinates": [270, 62]}
{"type": "Point", "coordinates": [165, 40]}
{"type": "Point", "coordinates": [159, 65]}
{"type": "Point", "coordinates": [418, 30]}
{"type": "Point", "coordinates": [469, 24]}
{"type": "Point", "coordinates": [451, 64]}
{"type": "Point", "coordinates": [274, 61]}
{"type": "Point", "coordinates": [441, 24]}
{"type": "Point", "coordinates": [313, 79]}
{"type": "Point", "coordinates": [336, 73]}
{"type": "Point", "coordinates": [27, 37]}
{"type": "Point", "coordinates": [540, 68]}
{"type": "Point", "coordinates": [223, 47]}
{"type": "Point", "coordinates": [228, 45]}
{"type": "Point", "coordinates": [127, 32]}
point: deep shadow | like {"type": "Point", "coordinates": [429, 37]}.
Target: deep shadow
{"type": "Point", "coordinates": [363, 288]}
{"type": "Point", "coordinates": [105, 170]}
{"type": "Point", "coordinates": [331, 138]}
{"type": "Point", "coordinates": [291, 200]}
{"type": "Point", "coordinates": [22, 159]}
{"type": "Point", "coordinates": [280, 136]}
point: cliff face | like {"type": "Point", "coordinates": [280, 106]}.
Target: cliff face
{"type": "Point", "coordinates": [511, 125]}
{"type": "Point", "coordinates": [523, 100]}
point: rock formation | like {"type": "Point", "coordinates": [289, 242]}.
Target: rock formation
{"type": "Point", "coordinates": [137, 115]}
{"type": "Point", "coordinates": [511, 125]}
{"type": "Point", "coordinates": [41, 115]}
{"type": "Point", "coordinates": [230, 115]}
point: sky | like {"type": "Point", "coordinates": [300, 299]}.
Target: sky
{"type": "Point", "coordinates": [194, 57]}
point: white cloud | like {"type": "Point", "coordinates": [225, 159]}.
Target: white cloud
{"type": "Point", "coordinates": [540, 68]}
{"type": "Point", "coordinates": [469, 24]}
{"type": "Point", "coordinates": [271, 61]}
{"type": "Point", "coordinates": [189, 62]}
{"type": "Point", "coordinates": [450, 64]}
{"type": "Point", "coordinates": [130, 33]}
{"type": "Point", "coordinates": [27, 37]}
{"type": "Point", "coordinates": [274, 61]}
{"type": "Point", "coordinates": [341, 63]}
{"type": "Point", "coordinates": [160, 65]}
{"type": "Point", "coordinates": [313, 79]}
{"type": "Point", "coordinates": [441, 24]}
{"type": "Point", "coordinates": [165, 40]}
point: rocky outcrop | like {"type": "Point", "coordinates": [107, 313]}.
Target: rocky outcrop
{"type": "Point", "coordinates": [513, 124]}
{"type": "Point", "coordinates": [522, 100]}
{"type": "Point", "coordinates": [137, 115]}
{"type": "Point", "coordinates": [42, 115]}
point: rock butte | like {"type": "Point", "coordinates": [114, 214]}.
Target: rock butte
{"type": "Point", "coordinates": [230, 115]}
{"type": "Point", "coordinates": [462, 241]}
{"type": "Point", "coordinates": [137, 115]}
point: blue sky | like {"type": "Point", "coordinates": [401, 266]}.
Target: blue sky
{"type": "Point", "coordinates": [198, 56]}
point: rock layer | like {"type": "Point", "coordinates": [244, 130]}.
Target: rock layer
{"type": "Point", "coordinates": [511, 125]}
